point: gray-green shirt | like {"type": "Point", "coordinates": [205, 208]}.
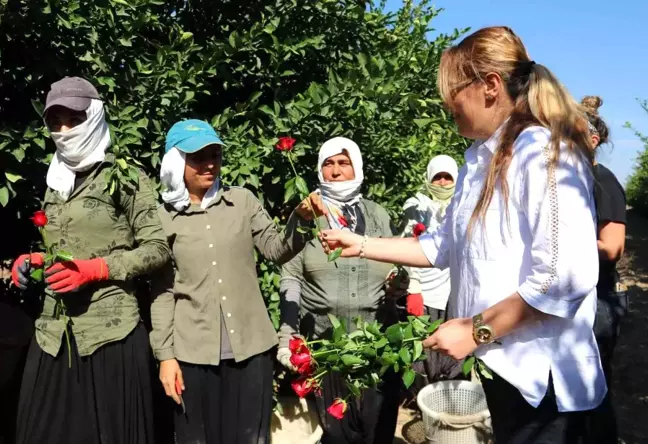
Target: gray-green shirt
{"type": "Point", "coordinates": [215, 278]}
{"type": "Point", "coordinates": [125, 230]}
{"type": "Point", "coordinates": [356, 287]}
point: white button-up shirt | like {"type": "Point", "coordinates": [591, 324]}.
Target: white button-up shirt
{"type": "Point", "coordinates": [546, 252]}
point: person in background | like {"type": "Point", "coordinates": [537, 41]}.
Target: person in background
{"type": "Point", "coordinates": [429, 288]}
{"type": "Point", "coordinates": [312, 288]}
{"type": "Point", "coordinates": [519, 239]}
{"type": "Point", "coordinates": [95, 389]}
{"type": "Point", "coordinates": [211, 329]}
{"type": "Point", "coordinates": [612, 302]}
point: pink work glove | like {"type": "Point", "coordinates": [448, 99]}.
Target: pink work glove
{"type": "Point", "coordinates": [415, 305]}
{"type": "Point", "coordinates": [20, 269]}
{"type": "Point", "coordinates": [64, 277]}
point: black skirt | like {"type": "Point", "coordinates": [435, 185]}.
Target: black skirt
{"type": "Point", "coordinates": [104, 398]}
{"type": "Point", "coordinates": [230, 403]}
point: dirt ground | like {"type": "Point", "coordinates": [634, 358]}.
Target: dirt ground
{"type": "Point", "coordinates": [630, 374]}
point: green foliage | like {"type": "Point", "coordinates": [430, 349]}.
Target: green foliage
{"type": "Point", "coordinates": [255, 69]}
{"type": "Point", "coordinates": [362, 357]}
{"type": "Point", "coordinates": [637, 186]}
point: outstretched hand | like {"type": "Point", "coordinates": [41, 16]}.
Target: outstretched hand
{"type": "Point", "coordinates": [349, 242]}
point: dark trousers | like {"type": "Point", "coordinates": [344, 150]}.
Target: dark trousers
{"type": "Point", "coordinates": [370, 419]}
{"type": "Point", "coordinates": [230, 403]}
{"type": "Point", "coordinates": [12, 361]}
{"type": "Point", "coordinates": [515, 421]}
{"type": "Point", "coordinates": [611, 306]}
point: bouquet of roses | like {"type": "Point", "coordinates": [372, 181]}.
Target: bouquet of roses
{"type": "Point", "coordinates": [361, 357]}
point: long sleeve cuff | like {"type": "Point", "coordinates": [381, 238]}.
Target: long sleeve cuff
{"type": "Point", "coordinates": [164, 354]}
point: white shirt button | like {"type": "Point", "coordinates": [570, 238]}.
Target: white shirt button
{"type": "Point", "coordinates": [224, 298]}
{"type": "Point", "coordinates": [211, 245]}
{"type": "Point", "coordinates": [229, 315]}
{"type": "Point", "coordinates": [208, 227]}
{"type": "Point", "coordinates": [232, 331]}
{"type": "Point", "coordinates": [220, 281]}
{"type": "Point", "coordinates": [214, 263]}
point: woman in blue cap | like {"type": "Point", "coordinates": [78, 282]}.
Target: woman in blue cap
{"type": "Point", "coordinates": [211, 330]}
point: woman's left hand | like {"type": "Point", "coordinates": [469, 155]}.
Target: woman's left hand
{"type": "Point", "coordinates": [311, 206]}
{"type": "Point", "coordinates": [453, 338]}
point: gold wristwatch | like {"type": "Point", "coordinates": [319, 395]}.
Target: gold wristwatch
{"type": "Point", "coordinates": [482, 333]}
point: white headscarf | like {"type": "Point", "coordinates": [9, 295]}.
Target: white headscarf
{"type": "Point", "coordinates": [442, 164]}
{"type": "Point", "coordinates": [337, 195]}
{"type": "Point", "coordinates": [347, 192]}
{"type": "Point", "coordinates": [175, 191]}
{"type": "Point", "coordinates": [78, 149]}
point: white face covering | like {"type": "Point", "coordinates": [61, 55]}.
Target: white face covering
{"type": "Point", "coordinates": [347, 192]}
{"type": "Point", "coordinates": [175, 191]}
{"type": "Point", "coordinates": [78, 149]}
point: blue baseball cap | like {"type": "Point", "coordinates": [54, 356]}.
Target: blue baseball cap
{"type": "Point", "coordinates": [191, 135]}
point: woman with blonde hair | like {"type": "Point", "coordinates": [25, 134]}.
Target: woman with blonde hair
{"type": "Point", "coordinates": [519, 239]}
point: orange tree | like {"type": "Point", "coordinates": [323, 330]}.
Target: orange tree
{"type": "Point", "coordinates": [256, 69]}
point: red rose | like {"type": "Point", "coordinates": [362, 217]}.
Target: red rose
{"type": "Point", "coordinates": [338, 408]}
{"type": "Point", "coordinates": [342, 221]}
{"type": "Point", "coordinates": [39, 218]}
{"type": "Point", "coordinates": [303, 363]}
{"type": "Point", "coordinates": [419, 229]}
{"type": "Point", "coordinates": [303, 386]}
{"type": "Point", "coordinates": [297, 345]}
{"type": "Point", "coordinates": [285, 143]}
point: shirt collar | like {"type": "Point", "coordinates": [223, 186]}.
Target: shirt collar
{"type": "Point", "coordinates": [222, 194]}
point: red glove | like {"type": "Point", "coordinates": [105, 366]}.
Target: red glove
{"type": "Point", "coordinates": [20, 269]}
{"type": "Point", "coordinates": [415, 305]}
{"type": "Point", "coordinates": [64, 277]}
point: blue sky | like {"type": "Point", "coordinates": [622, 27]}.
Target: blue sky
{"type": "Point", "coordinates": [594, 47]}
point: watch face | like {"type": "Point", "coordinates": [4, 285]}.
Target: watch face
{"type": "Point", "coordinates": [484, 334]}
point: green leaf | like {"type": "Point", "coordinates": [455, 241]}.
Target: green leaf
{"type": "Point", "coordinates": [381, 343]}
{"type": "Point", "coordinates": [37, 275]}
{"type": "Point", "coordinates": [300, 183]}
{"type": "Point", "coordinates": [418, 349]}
{"type": "Point", "coordinates": [351, 360]}
{"type": "Point", "coordinates": [408, 332]}
{"type": "Point", "coordinates": [64, 256]}
{"type": "Point", "coordinates": [122, 164]}
{"type": "Point", "coordinates": [335, 322]}
{"type": "Point", "coordinates": [468, 365]}
{"type": "Point", "coordinates": [408, 377]}
{"type": "Point", "coordinates": [353, 388]}
{"type": "Point", "coordinates": [4, 196]}
{"type": "Point", "coordinates": [125, 42]}
{"type": "Point", "coordinates": [484, 370]}
{"type": "Point", "coordinates": [422, 122]}
{"type": "Point", "coordinates": [334, 255]}
{"type": "Point", "coordinates": [186, 35]}
{"type": "Point", "coordinates": [405, 356]}
{"type": "Point", "coordinates": [369, 352]}
{"type": "Point", "coordinates": [433, 326]}
{"type": "Point", "coordinates": [338, 333]}
{"type": "Point", "coordinates": [12, 177]}
{"type": "Point", "coordinates": [394, 334]}
{"type": "Point", "coordinates": [266, 109]}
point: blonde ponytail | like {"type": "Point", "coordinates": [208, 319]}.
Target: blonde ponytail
{"type": "Point", "coordinates": [538, 97]}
